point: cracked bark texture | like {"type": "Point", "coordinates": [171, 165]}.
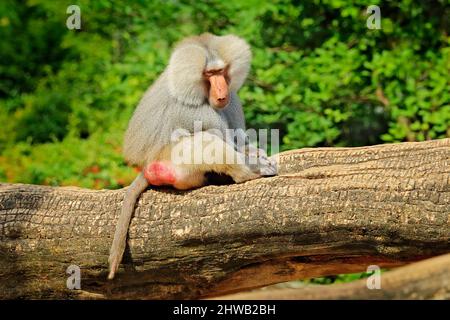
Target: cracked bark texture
{"type": "Point", "coordinates": [330, 211]}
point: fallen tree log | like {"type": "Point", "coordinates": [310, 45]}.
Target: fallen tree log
{"type": "Point", "coordinates": [426, 279]}
{"type": "Point", "coordinates": [330, 211]}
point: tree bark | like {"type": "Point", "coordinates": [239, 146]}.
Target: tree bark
{"type": "Point", "coordinates": [330, 211]}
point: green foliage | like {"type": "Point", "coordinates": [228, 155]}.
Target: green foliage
{"type": "Point", "coordinates": [341, 278]}
{"type": "Point", "coordinates": [318, 74]}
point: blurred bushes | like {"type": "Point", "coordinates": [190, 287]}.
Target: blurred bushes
{"type": "Point", "coordinates": [318, 74]}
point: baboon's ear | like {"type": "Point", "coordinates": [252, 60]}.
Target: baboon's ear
{"type": "Point", "coordinates": [185, 74]}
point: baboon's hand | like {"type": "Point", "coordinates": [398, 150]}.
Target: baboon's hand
{"type": "Point", "coordinates": [267, 166]}
{"type": "Point", "coordinates": [259, 162]}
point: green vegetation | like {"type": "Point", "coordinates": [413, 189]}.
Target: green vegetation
{"type": "Point", "coordinates": [318, 74]}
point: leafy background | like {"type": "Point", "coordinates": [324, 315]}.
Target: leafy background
{"type": "Point", "coordinates": [318, 74]}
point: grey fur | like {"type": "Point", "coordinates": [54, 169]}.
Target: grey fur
{"type": "Point", "coordinates": [176, 100]}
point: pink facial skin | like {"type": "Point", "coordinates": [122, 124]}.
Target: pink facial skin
{"type": "Point", "coordinates": [158, 174]}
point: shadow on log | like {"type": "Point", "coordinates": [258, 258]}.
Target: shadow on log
{"type": "Point", "coordinates": [427, 279]}
{"type": "Point", "coordinates": [330, 211]}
